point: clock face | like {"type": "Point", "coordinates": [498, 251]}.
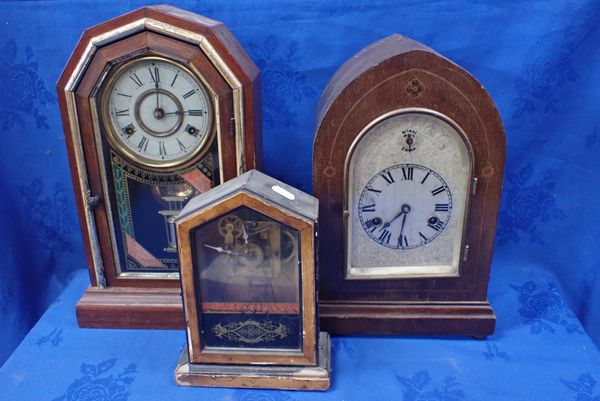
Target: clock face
{"type": "Point", "coordinates": [157, 113]}
{"type": "Point", "coordinates": [405, 206]}
{"type": "Point", "coordinates": [408, 178]}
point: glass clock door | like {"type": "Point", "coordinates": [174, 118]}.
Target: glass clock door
{"type": "Point", "coordinates": [408, 180]}
{"type": "Point", "coordinates": [246, 271]}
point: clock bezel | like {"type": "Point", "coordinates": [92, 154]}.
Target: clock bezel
{"type": "Point", "coordinates": [379, 273]}
{"type": "Point", "coordinates": [112, 136]}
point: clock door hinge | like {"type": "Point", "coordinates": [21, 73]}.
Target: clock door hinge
{"type": "Point", "coordinates": [232, 126]}
{"type": "Point", "coordinates": [474, 186]}
{"type": "Point", "coordinates": [466, 253]}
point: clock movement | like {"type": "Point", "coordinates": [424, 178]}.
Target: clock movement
{"type": "Point", "coordinates": [248, 273]}
{"type": "Point", "coordinates": [158, 105]}
{"type": "Point", "coordinates": [408, 162]}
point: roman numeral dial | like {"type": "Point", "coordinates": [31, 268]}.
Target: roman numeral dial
{"type": "Point", "coordinates": [157, 113]}
{"type": "Point", "coordinates": [405, 206]}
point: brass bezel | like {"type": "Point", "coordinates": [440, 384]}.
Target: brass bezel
{"type": "Point", "coordinates": [113, 138]}
{"type": "Point", "coordinates": [381, 273]}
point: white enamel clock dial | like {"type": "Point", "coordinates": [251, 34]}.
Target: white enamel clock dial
{"type": "Point", "coordinates": [408, 180]}
{"type": "Point", "coordinates": [157, 112]}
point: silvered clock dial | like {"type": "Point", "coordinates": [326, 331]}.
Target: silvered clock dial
{"type": "Point", "coordinates": [408, 177]}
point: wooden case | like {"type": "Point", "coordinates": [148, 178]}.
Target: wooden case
{"type": "Point", "coordinates": [206, 47]}
{"type": "Point", "coordinates": [398, 73]}
{"type": "Point", "coordinates": [243, 360]}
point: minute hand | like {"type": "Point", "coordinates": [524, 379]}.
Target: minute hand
{"type": "Point", "coordinates": [386, 225]}
{"type": "Point", "coordinates": [191, 112]}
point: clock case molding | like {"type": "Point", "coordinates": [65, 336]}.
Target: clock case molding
{"type": "Point", "coordinates": [206, 47]}
{"type": "Point", "coordinates": [397, 74]}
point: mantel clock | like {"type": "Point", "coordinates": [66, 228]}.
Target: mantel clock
{"type": "Point", "coordinates": [408, 163]}
{"type": "Point", "coordinates": [247, 252]}
{"type": "Point", "coordinates": [158, 105]}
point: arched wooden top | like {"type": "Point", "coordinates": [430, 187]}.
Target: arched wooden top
{"type": "Point", "coordinates": [398, 73]}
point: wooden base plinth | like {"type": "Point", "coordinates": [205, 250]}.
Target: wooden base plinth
{"type": "Point", "coordinates": [163, 309]}
{"type": "Point", "coordinates": [257, 376]}
{"type": "Point", "coordinates": [131, 308]}
{"type": "Point", "coordinates": [474, 319]}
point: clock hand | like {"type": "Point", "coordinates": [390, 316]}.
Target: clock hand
{"type": "Point", "coordinates": [221, 250]}
{"type": "Point", "coordinates": [403, 210]}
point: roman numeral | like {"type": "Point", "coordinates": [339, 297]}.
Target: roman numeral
{"type": "Point", "coordinates": [122, 94]}
{"type": "Point", "coordinates": [442, 207]}
{"type": "Point", "coordinates": [190, 93]}
{"type": "Point", "coordinates": [438, 191]}
{"type": "Point", "coordinates": [198, 113]}
{"type": "Point", "coordinates": [174, 79]}
{"type": "Point", "coordinates": [437, 226]}
{"type": "Point", "coordinates": [143, 145]}
{"type": "Point", "coordinates": [122, 113]}
{"type": "Point", "coordinates": [374, 190]}
{"type": "Point", "coordinates": [408, 172]}
{"type": "Point", "coordinates": [425, 178]}
{"type": "Point", "coordinates": [368, 208]}
{"type": "Point", "coordinates": [154, 77]}
{"type": "Point", "coordinates": [385, 236]}
{"type": "Point", "coordinates": [162, 150]}
{"type": "Point", "coordinates": [387, 175]}
{"type": "Point", "coordinates": [423, 236]}
{"type": "Point", "coordinates": [402, 241]}
{"type": "Point", "coordinates": [181, 145]}
{"type": "Point", "coordinates": [136, 79]}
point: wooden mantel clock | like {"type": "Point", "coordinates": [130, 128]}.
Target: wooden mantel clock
{"type": "Point", "coordinates": [248, 273]}
{"type": "Point", "coordinates": [158, 105]}
{"type": "Point", "coordinates": [408, 163]}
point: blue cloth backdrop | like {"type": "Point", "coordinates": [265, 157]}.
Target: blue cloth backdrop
{"type": "Point", "coordinates": [538, 59]}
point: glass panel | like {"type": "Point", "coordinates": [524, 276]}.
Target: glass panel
{"type": "Point", "coordinates": [246, 270]}
{"type": "Point", "coordinates": [144, 206]}
{"type": "Point", "coordinates": [407, 197]}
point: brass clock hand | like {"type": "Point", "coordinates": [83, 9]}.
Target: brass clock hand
{"type": "Point", "coordinates": [221, 250]}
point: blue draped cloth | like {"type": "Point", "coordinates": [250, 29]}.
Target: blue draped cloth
{"type": "Point", "coordinates": [539, 61]}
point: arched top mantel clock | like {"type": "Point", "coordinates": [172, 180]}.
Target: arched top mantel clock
{"type": "Point", "coordinates": [408, 163]}
{"type": "Point", "coordinates": [158, 105]}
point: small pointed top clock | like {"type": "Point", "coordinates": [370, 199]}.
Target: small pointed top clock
{"type": "Point", "coordinates": [408, 162]}
{"type": "Point", "coordinates": [158, 105]}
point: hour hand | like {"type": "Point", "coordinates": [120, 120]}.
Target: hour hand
{"type": "Point", "coordinates": [221, 250]}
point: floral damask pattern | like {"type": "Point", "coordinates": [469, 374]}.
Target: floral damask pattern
{"type": "Point", "coordinates": [419, 388]}
{"type": "Point", "coordinates": [255, 395]}
{"type": "Point", "coordinates": [282, 83]}
{"type": "Point", "coordinates": [528, 200]}
{"type": "Point", "coordinates": [22, 91]}
{"type": "Point", "coordinates": [96, 384]}
{"type": "Point", "coordinates": [583, 387]}
{"type": "Point", "coordinates": [54, 338]}
{"type": "Point", "coordinates": [492, 352]}
{"type": "Point", "coordinates": [543, 310]}
{"type": "Point", "coordinates": [51, 212]}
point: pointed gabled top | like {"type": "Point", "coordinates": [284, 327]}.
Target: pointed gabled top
{"type": "Point", "coordinates": [260, 185]}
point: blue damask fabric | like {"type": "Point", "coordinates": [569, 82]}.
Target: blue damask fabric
{"type": "Point", "coordinates": [540, 351]}
{"type": "Point", "coordinates": [539, 60]}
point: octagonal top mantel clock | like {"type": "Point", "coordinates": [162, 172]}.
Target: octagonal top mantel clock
{"type": "Point", "coordinates": [408, 163]}
{"type": "Point", "coordinates": [158, 105]}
